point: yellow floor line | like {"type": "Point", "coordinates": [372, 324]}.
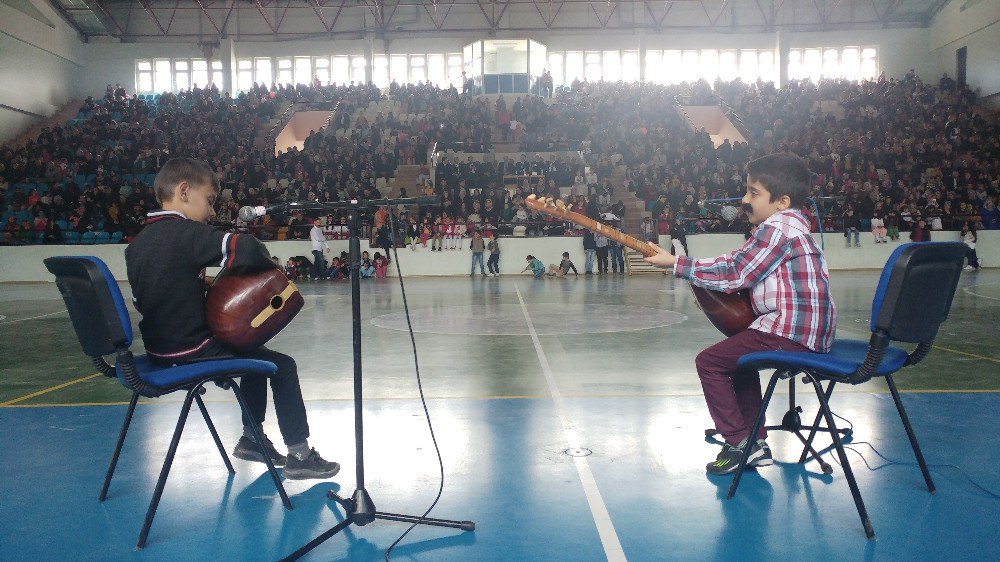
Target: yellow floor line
{"type": "Point", "coordinates": [983, 357]}
{"type": "Point", "coordinates": [601, 396]}
{"type": "Point", "coordinates": [935, 346]}
{"type": "Point", "coordinates": [50, 389]}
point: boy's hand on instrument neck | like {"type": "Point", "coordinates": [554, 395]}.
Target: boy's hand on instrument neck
{"type": "Point", "coordinates": [662, 258]}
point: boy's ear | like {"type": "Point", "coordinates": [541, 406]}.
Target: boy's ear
{"type": "Point", "coordinates": [784, 202]}
{"type": "Point", "coordinates": [182, 191]}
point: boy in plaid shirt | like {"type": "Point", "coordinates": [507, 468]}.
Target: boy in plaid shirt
{"type": "Point", "coordinates": [785, 270]}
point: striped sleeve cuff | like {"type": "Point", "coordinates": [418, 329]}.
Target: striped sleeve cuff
{"type": "Point", "coordinates": [683, 267]}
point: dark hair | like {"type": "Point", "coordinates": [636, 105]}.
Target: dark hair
{"type": "Point", "coordinates": [530, 257]}
{"type": "Point", "coordinates": [566, 254]}
{"type": "Point", "coordinates": [781, 174]}
{"type": "Point", "coordinates": [177, 170]}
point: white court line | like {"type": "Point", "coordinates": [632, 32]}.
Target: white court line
{"type": "Point", "coordinates": [32, 318]}
{"type": "Point", "coordinates": [605, 528]}
{"type": "Point", "coordinates": [968, 292]}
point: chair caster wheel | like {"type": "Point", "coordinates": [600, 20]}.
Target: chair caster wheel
{"type": "Point", "coordinates": [827, 469]}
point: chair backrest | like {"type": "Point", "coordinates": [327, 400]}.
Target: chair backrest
{"type": "Point", "coordinates": [94, 302]}
{"type": "Point", "coordinates": [915, 290]}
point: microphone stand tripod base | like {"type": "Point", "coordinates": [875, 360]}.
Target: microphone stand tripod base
{"type": "Point", "coordinates": [359, 509]}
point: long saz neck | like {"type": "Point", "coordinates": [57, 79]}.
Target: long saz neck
{"type": "Point", "coordinates": [612, 233]}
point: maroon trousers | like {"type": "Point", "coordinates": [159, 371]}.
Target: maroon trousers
{"type": "Point", "coordinates": [734, 397]}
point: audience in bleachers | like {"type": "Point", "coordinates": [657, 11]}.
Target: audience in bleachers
{"type": "Point", "coordinates": [887, 154]}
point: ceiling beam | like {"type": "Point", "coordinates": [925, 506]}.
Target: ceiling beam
{"type": "Point", "coordinates": [152, 16]}
{"type": "Point", "coordinates": [102, 14]}
{"type": "Point", "coordinates": [55, 5]}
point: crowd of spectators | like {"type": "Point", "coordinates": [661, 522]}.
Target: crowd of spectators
{"type": "Point", "coordinates": [888, 152]}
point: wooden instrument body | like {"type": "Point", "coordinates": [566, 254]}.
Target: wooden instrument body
{"type": "Point", "coordinates": [246, 309]}
{"type": "Point", "coordinates": [731, 313]}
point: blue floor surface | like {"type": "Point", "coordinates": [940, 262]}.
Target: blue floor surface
{"type": "Point", "coordinates": [506, 470]}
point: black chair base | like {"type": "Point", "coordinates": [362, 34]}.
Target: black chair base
{"type": "Point", "coordinates": [791, 422]}
{"type": "Point", "coordinates": [823, 395]}
{"type": "Point", "coordinates": [193, 395]}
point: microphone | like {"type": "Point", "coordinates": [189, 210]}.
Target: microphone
{"type": "Point", "coordinates": [248, 213]}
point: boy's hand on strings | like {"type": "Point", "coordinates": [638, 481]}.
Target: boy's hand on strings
{"type": "Point", "coordinates": [662, 258]}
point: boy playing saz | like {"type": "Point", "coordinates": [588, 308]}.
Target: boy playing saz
{"type": "Point", "coordinates": [790, 284]}
{"type": "Point", "coordinates": [166, 263]}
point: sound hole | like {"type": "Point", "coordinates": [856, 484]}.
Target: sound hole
{"type": "Point", "coordinates": [276, 302]}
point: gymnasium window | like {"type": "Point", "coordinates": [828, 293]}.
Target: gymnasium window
{"type": "Point", "coordinates": [556, 69]}
{"type": "Point", "coordinates": [418, 70]}
{"type": "Point", "coordinates": [321, 70]}
{"type": "Point", "coordinates": [217, 74]}
{"type": "Point", "coordinates": [340, 70]}
{"type": "Point", "coordinates": [244, 74]}
{"type": "Point", "coordinates": [262, 72]}
{"type": "Point", "coordinates": [143, 77]}
{"type": "Point", "coordinates": [380, 71]}
{"type": "Point", "coordinates": [436, 73]}
{"type": "Point", "coordinates": [303, 70]}
{"type": "Point", "coordinates": [674, 66]}
{"type": "Point", "coordinates": [611, 66]}
{"type": "Point", "coordinates": [182, 76]}
{"type": "Point", "coordinates": [851, 63]}
{"type": "Point", "coordinates": [358, 66]}
{"type": "Point", "coordinates": [162, 80]}
{"type": "Point", "coordinates": [174, 75]}
{"type": "Point", "coordinates": [574, 66]}
{"type": "Point", "coordinates": [630, 66]}
{"type": "Point", "coordinates": [285, 72]}
{"type": "Point", "coordinates": [199, 75]}
{"type": "Point", "coordinates": [397, 69]}
{"type": "Point", "coordinates": [455, 70]}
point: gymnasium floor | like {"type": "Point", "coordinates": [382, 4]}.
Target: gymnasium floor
{"type": "Point", "coordinates": [517, 372]}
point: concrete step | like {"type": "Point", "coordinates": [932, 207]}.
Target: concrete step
{"type": "Point", "coordinates": [59, 118]}
{"type": "Point", "coordinates": [635, 264]}
{"type": "Point", "coordinates": [406, 176]}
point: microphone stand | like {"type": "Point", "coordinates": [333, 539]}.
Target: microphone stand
{"type": "Point", "coordinates": [359, 509]}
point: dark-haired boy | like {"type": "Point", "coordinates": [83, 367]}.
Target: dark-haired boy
{"type": "Point", "coordinates": [166, 265]}
{"type": "Point", "coordinates": [790, 285]}
{"type": "Point", "coordinates": [562, 270]}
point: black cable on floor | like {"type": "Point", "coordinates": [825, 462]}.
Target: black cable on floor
{"type": "Point", "coordinates": [420, 387]}
{"type": "Point", "coordinates": [891, 462]}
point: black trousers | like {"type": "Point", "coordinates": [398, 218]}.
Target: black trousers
{"type": "Point", "coordinates": [493, 263]}
{"type": "Point", "coordinates": [285, 390]}
{"type": "Point", "coordinates": [319, 265]}
{"type": "Point", "coordinates": [602, 259]}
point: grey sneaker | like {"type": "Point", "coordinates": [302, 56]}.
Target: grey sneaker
{"type": "Point", "coordinates": [311, 467]}
{"type": "Point", "coordinates": [247, 450]}
{"type": "Point", "coordinates": [728, 460]}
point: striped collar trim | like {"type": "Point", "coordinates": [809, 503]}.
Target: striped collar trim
{"type": "Point", "coordinates": [155, 216]}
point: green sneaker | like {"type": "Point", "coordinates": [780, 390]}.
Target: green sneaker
{"type": "Point", "coordinates": [728, 460]}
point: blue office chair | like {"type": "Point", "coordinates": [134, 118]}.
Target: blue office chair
{"type": "Point", "coordinates": [101, 321]}
{"type": "Point", "coordinates": [911, 302]}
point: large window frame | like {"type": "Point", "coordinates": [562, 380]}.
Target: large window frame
{"type": "Point", "coordinates": [160, 75]}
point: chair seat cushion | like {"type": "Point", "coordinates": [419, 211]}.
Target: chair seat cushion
{"type": "Point", "coordinates": [180, 375]}
{"type": "Point", "coordinates": [844, 359]}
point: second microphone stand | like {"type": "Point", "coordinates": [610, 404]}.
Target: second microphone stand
{"type": "Point", "coordinates": [359, 509]}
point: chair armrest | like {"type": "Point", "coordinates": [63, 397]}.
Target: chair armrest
{"type": "Point", "coordinates": [918, 354]}
{"type": "Point", "coordinates": [869, 367]}
{"type": "Point", "coordinates": [104, 367]}
{"type": "Point", "coordinates": [126, 363]}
